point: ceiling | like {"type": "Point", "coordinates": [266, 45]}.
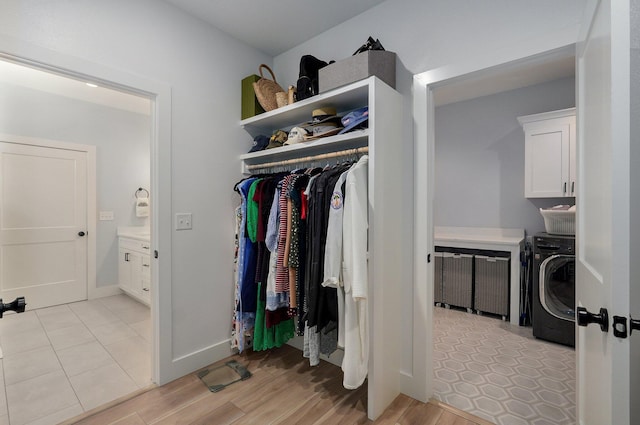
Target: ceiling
{"type": "Point", "coordinates": [274, 26]}
{"type": "Point", "coordinates": [256, 30]}
{"type": "Point", "coordinates": [19, 75]}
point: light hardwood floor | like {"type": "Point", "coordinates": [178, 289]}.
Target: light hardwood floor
{"type": "Point", "coordinates": [284, 389]}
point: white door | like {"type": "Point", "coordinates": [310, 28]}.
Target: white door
{"type": "Point", "coordinates": [603, 214]}
{"type": "Point", "coordinates": [43, 224]}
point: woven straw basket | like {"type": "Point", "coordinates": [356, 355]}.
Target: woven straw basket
{"type": "Point", "coordinates": [266, 90]}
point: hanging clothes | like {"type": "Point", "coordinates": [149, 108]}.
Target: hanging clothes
{"type": "Point", "coordinates": [273, 326]}
{"type": "Point", "coordinates": [355, 229]}
{"type": "Point", "coordinates": [302, 264]}
{"type": "Point", "coordinates": [333, 251]}
{"type": "Point", "coordinates": [244, 315]}
{"type": "Point", "coordinates": [236, 323]}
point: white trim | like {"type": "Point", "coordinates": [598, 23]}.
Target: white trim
{"type": "Point", "coordinates": [16, 50]}
{"type": "Point", "coordinates": [621, 256]}
{"type": "Point", "coordinates": [424, 148]}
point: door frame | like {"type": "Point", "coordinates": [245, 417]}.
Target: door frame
{"type": "Point", "coordinates": [90, 151]}
{"type": "Point", "coordinates": [163, 367]}
{"type": "Point", "coordinates": [417, 378]}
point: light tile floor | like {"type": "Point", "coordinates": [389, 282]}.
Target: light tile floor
{"type": "Point", "coordinates": [62, 361]}
{"type": "Point", "coordinates": [500, 372]}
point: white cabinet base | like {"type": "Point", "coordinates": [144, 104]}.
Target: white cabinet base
{"type": "Point", "coordinates": [494, 239]}
{"type": "Point", "coordinates": [134, 268]}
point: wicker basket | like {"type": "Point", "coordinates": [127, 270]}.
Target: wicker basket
{"type": "Point", "coordinates": [266, 90]}
{"type": "Point", "coordinates": [559, 222]}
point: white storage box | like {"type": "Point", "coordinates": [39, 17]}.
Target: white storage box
{"type": "Point", "coordinates": [559, 222]}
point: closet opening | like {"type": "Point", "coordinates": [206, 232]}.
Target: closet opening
{"type": "Point", "coordinates": [469, 196]}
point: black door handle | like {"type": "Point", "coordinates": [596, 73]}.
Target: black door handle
{"type": "Point", "coordinates": [81, 233]}
{"type": "Point", "coordinates": [584, 318]}
{"type": "Point", "coordinates": [633, 324]}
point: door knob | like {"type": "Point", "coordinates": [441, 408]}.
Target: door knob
{"type": "Point", "coordinates": [585, 317]}
{"type": "Point", "coordinates": [81, 233]}
{"type": "Point", "coordinates": [633, 324]}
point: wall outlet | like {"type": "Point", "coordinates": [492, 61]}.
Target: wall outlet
{"type": "Point", "coordinates": [183, 221]}
{"type": "Point", "coordinates": [105, 216]}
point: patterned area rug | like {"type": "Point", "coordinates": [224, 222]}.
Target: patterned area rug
{"type": "Point", "coordinates": [500, 372]}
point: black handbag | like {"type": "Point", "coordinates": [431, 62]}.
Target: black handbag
{"type": "Point", "coordinates": [371, 44]}
{"type": "Point", "coordinates": [307, 84]}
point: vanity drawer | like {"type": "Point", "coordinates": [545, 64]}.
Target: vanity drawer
{"type": "Point", "coordinates": [143, 247]}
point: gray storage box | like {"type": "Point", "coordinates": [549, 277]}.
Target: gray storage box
{"type": "Point", "coordinates": [438, 296]}
{"type": "Point", "coordinates": [380, 63]}
{"type": "Point", "coordinates": [492, 285]}
{"type": "Point", "coordinates": [457, 277]}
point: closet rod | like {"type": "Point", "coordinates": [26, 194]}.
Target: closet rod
{"type": "Point", "coordinates": [345, 152]}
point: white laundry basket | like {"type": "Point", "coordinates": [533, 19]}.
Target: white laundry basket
{"type": "Point", "coordinates": [559, 222]}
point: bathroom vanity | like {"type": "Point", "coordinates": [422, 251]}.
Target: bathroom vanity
{"type": "Point", "coordinates": [134, 263]}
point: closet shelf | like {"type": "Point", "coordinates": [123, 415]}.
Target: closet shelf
{"type": "Point", "coordinates": [355, 139]}
{"type": "Point", "coordinates": [344, 99]}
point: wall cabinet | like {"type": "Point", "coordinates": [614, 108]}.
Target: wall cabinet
{"type": "Point", "coordinates": [550, 154]}
{"type": "Point", "coordinates": [389, 154]}
{"type": "Point", "coordinates": [134, 269]}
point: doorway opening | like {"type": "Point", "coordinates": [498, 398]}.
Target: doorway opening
{"type": "Point", "coordinates": [470, 175]}
{"type": "Point", "coordinates": [98, 335]}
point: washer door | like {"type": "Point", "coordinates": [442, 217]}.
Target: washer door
{"type": "Point", "coordinates": [558, 287]}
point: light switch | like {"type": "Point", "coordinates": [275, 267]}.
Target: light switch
{"type": "Point", "coordinates": [105, 215]}
{"type": "Point", "coordinates": [183, 221]}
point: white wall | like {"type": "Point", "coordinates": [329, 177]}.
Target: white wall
{"type": "Point", "coordinates": [203, 67]}
{"type": "Point", "coordinates": [434, 34]}
{"type": "Point", "coordinates": [122, 139]}
{"type": "Point", "coordinates": [479, 158]}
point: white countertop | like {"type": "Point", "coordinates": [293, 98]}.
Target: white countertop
{"type": "Point", "coordinates": [495, 236]}
{"type": "Point", "coordinates": [135, 232]}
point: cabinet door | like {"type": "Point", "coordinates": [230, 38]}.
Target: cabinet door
{"type": "Point", "coordinates": [124, 270]}
{"type": "Point", "coordinates": [547, 159]}
{"type": "Point", "coordinates": [571, 191]}
{"type": "Point", "coordinates": [135, 260]}
{"type": "Point", "coordinates": [145, 279]}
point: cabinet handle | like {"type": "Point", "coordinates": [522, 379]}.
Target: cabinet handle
{"type": "Point", "coordinates": [573, 187]}
{"type": "Point", "coordinates": [145, 289]}
{"type": "Point", "coordinates": [565, 188]}
{"type": "Point", "coordinates": [126, 256]}
{"type": "Point", "coordinates": [145, 265]}
{"type": "Point", "coordinates": [145, 246]}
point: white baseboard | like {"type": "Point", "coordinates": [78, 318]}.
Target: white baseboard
{"type": "Point", "coordinates": [104, 291]}
{"type": "Point", "coordinates": [191, 362]}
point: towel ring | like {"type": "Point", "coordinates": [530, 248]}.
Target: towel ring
{"type": "Point", "coordinates": [141, 189]}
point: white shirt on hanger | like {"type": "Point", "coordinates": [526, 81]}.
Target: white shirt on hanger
{"type": "Point", "coordinates": [355, 226]}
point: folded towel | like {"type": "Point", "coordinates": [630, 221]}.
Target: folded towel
{"type": "Point", "coordinates": [142, 207]}
{"type": "Point", "coordinates": [559, 208]}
